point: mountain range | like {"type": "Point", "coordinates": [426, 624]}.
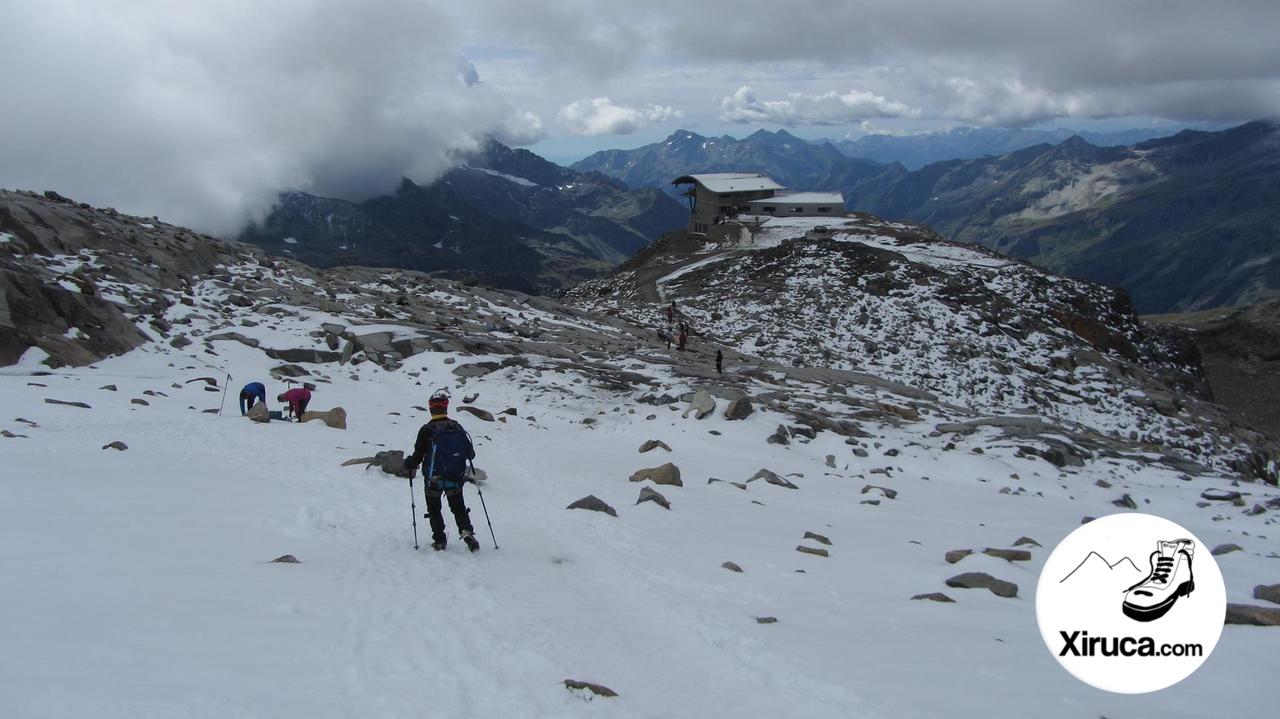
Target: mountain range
{"type": "Point", "coordinates": [964, 143]}
{"type": "Point", "coordinates": [1182, 223]}
{"type": "Point", "coordinates": [503, 216]}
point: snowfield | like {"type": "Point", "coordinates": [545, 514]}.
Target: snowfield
{"type": "Point", "coordinates": [138, 583]}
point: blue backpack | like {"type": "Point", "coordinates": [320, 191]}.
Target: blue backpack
{"type": "Point", "coordinates": [450, 450]}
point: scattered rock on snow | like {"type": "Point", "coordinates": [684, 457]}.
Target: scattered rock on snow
{"type": "Point", "coordinates": [1009, 555]}
{"type": "Point", "coordinates": [597, 689]}
{"type": "Point", "coordinates": [956, 555]}
{"type": "Point", "coordinates": [648, 494]}
{"type": "Point", "coordinates": [481, 414]}
{"type": "Point", "coordinates": [817, 538]}
{"type": "Point", "coordinates": [701, 404]}
{"type": "Point", "coordinates": [982, 580]}
{"type": "Point", "coordinates": [108, 387]}
{"type": "Point", "coordinates": [117, 445]}
{"type": "Point", "coordinates": [888, 493]}
{"type": "Point", "coordinates": [732, 567]}
{"type": "Point", "coordinates": [1220, 495]}
{"type": "Point", "coordinates": [654, 444]}
{"type": "Point", "coordinates": [140, 401]}
{"type": "Point", "coordinates": [1026, 540]}
{"type": "Point", "coordinates": [594, 504]}
{"type": "Point", "coordinates": [667, 474]}
{"type": "Point", "coordinates": [813, 550]}
{"type": "Point", "coordinates": [1126, 501]}
{"type": "Point", "coordinates": [935, 597]}
{"type": "Point", "coordinates": [1252, 615]}
{"type": "Point", "coordinates": [335, 418]}
{"type": "Point", "coordinates": [81, 405]}
{"type": "Point", "coordinates": [1267, 593]}
{"type": "Point", "coordinates": [258, 413]}
{"type": "Point", "coordinates": [285, 559]}
{"type": "Point", "coordinates": [1222, 549]}
{"type": "Point", "coordinates": [475, 369]}
{"type": "Point", "coordinates": [780, 436]}
{"type": "Point", "coordinates": [772, 478]}
{"type": "Point", "coordinates": [766, 620]}
{"type": "Point", "coordinates": [740, 408]}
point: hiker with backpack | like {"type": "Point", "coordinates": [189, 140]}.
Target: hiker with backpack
{"type": "Point", "coordinates": [250, 395]}
{"type": "Point", "coordinates": [443, 448]}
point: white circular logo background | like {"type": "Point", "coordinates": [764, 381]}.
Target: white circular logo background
{"type": "Point", "coordinates": [1131, 603]}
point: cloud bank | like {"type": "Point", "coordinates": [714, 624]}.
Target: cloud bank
{"type": "Point", "coordinates": [828, 108]}
{"type": "Point", "coordinates": [203, 112]}
{"type": "Point", "coordinates": [601, 116]}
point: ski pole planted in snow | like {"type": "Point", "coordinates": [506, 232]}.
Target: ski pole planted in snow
{"type": "Point", "coordinates": [413, 512]}
{"type": "Point", "coordinates": [486, 513]}
{"type": "Point", "coordinates": [221, 404]}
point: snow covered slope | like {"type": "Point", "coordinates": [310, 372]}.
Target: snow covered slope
{"type": "Point", "coordinates": [139, 582]}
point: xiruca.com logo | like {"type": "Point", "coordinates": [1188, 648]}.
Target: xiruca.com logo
{"type": "Point", "coordinates": [1130, 603]}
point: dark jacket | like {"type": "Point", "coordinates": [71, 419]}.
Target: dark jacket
{"type": "Point", "coordinates": [253, 390]}
{"type": "Point", "coordinates": [426, 438]}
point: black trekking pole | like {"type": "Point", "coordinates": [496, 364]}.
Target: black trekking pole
{"type": "Point", "coordinates": [486, 513]}
{"type": "Point", "coordinates": [413, 513]}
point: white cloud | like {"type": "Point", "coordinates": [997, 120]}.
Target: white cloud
{"type": "Point", "coordinates": [522, 128]}
{"type": "Point", "coordinates": [828, 108]}
{"type": "Point", "coordinates": [203, 112]}
{"type": "Point", "coordinates": [600, 116]}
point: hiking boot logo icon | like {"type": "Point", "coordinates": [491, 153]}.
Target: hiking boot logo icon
{"type": "Point", "coordinates": [1130, 603]}
{"type": "Point", "coordinates": [1170, 577]}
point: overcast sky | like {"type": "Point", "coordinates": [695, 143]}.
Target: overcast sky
{"type": "Point", "coordinates": [201, 113]}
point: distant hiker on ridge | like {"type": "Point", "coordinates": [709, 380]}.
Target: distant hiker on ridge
{"type": "Point", "coordinates": [719, 362]}
{"type": "Point", "coordinates": [671, 312]}
{"type": "Point", "coordinates": [446, 448]}
{"type": "Point", "coordinates": [297, 398]}
{"type": "Point", "coordinates": [684, 337]}
{"type": "Point", "coordinates": [250, 395]}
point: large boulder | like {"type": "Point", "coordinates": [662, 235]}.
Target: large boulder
{"type": "Point", "coordinates": [594, 504]}
{"type": "Point", "coordinates": [1252, 615]}
{"type": "Point", "coordinates": [740, 408]}
{"type": "Point", "coordinates": [982, 580]}
{"type": "Point", "coordinates": [335, 418]}
{"type": "Point", "coordinates": [701, 404]}
{"type": "Point", "coordinates": [649, 494]}
{"type": "Point", "coordinates": [668, 474]}
{"type": "Point", "coordinates": [259, 413]}
{"type": "Point", "coordinates": [772, 478]}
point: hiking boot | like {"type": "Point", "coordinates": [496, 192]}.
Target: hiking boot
{"type": "Point", "coordinates": [1169, 579]}
{"type": "Point", "coordinates": [470, 539]}
{"type": "Point", "coordinates": [439, 546]}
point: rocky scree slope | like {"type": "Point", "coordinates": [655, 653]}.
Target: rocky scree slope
{"type": "Point", "coordinates": [946, 342]}
{"type": "Point", "coordinates": [506, 217]}
{"type": "Point", "coordinates": [961, 327]}
{"type": "Point", "coordinates": [1240, 351]}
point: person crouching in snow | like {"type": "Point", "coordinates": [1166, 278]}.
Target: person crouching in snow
{"type": "Point", "coordinates": [297, 399]}
{"type": "Point", "coordinates": [446, 448]}
{"type": "Point", "coordinates": [250, 395]}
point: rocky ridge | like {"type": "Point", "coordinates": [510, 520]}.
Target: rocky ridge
{"type": "Point", "coordinates": [987, 341]}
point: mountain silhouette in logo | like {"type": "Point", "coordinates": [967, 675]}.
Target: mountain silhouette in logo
{"type": "Point", "coordinates": [1095, 565]}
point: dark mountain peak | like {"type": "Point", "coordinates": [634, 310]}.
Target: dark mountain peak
{"type": "Point", "coordinates": [1075, 143]}
{"type": "Point", "coordinates": [764, 137]}
{"type": "Point", "coordinates": [683, 136]}
{"type": "Point", "coordinates": [406, 186]}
